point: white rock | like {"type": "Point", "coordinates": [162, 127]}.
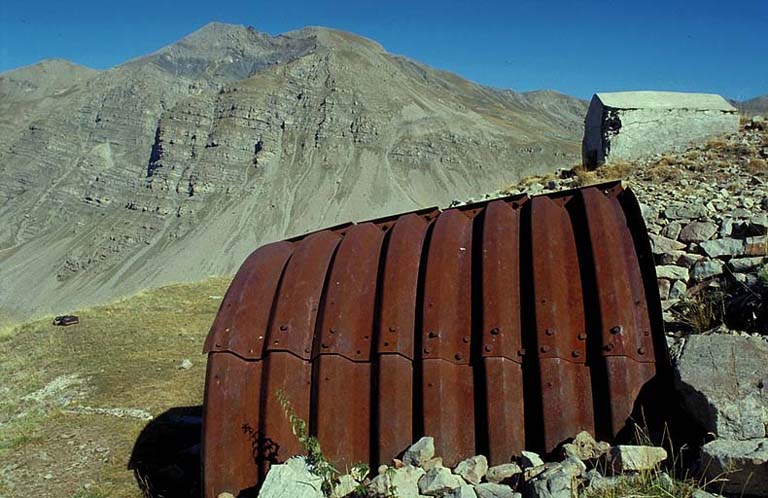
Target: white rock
{"type": "Point", "coordinates": [346, 486]}
{"type": "Point", "coordinates": [404, 482]}
{"type": "Point", "coordinates": [472, 469]}
{"type": "Point", "coordinates": [672, 272]}
{"type": "Point", "coordinates": [584, 447]}
{"type": "Point", "coordinates": [530, 459]}
{"type": "Point", "coordinates": [722, 247]}
{"type": "Point", "coordinates": [706, 269]}
{"type": "Point", "coordinates": [420, 452]}
{"type": "Point", "coordinates": [499, 473]}
{"type": "Point", "coordinates": [438, 481]}
{"type": "Point", "coordinates": [291, 479]}
{"type": "Point", "coordinates": [493, 490]}
{"type": "Point", "coordinates": [185, 364]}
{"type": "Point", "coordinates": [464, 491]}
{"type": "Point", "coordinates": [625, 458]}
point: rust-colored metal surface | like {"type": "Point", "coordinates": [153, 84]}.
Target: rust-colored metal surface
{"type": "Point", "coordinates": [495, 327]}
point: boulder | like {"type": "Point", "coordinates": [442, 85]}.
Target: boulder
{"type": "Point", "coordinates": [346, 486]}
{"type": "Point", "coordinates": [629, 458]}
{"type": "Point", "coordinates": [697, 231]}
{"type": "Point", "coordinates": [742, 265]}
{"type": "Point", "coordinates": [530, 459]}
{"type": "Point", "coordinates": [584, 447]}
{"type": "Point", "coordinates": [672, 230]}
{"type": "Point", "coordinates": [663, 245]}
{"type": "Point", "coordinates": [706, 269]}
{"type": "Point", "coordinates": [685, 211]}
{"type": "Point", "coordinates": [493, 490]}
{"type": "Point", "coordinates": [420, 452]}
{"type": "Point", "coordinates": [722, 247]}
{"type": "Point", "coordinates": [503, 472]}
{"type": "Point", "coordinates": [721, 380]}
{"type": "Point", "coordinates": [291, 479]}
{"type": "Point", "coordinates": [559, 480]}
{"type": "Point", "coordinates": [472, 469]}
{"type": "Point", "coordinates": [672, 272]}
{"type": "Point", "coordinates": [464, 491]}
{"type": "Point", "coordinates": [439, 481]}
{"type": "Point", "coordinates": [742, 465]}
{"type": "Point", "coordinates": [403, 482]}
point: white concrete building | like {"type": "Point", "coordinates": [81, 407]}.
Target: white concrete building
{"type": "Point", "coordinates": [633, 125]}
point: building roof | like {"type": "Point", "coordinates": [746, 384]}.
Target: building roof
{"type": "Point", "coordinates": [665, 100]}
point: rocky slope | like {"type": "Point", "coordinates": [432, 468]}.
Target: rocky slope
{"type": "Point", "coordinates": [706, 210]}
{"type": "Point", "coordinates": [757, 105]}
{"type": "Point", "coordinates": [175, 165]}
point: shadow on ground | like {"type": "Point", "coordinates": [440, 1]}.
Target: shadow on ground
{"type": "Point", "coordinates": [166, 456]}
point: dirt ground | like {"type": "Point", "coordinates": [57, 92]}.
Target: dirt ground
{"type": "Point", "coordinates": [104, 408]}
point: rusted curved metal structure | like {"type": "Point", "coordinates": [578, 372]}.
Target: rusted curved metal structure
{"type": "Point", "coordinates": [495, 327]}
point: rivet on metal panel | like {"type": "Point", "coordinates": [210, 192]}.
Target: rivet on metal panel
{"type": "Point", "coordinates": [458, 356]}
{"type": "Point", "coordinates": [307, 350]}
{"type": "Point", "coordinates": [217, 345]}
{"type": "Point", "coordinates": [386, 343]}
{"type": "Point", "coordinates": [332, 331]}
{"type": "Point", "coordinates": [489, 348]}
{"type": "Point", "coordinates": [283, 327]}
{"type": "Point", "coordinates": [544, 349]}
{"type": "Point", "coordinates": [432, 334]}
{"type": "Point", "coordinates": [324, 346]}
{"type": "Point", "coordinates": [549, 332]}
{"type": "Point", "coordinates": [582, 336]}
{"type": "Point", "coordinates": [521, 352]}
{"type": "Point", "coordinates": [427, 350]}
{"type": "Point", "coordinates": [608, 347]}
{"type": "Point", "coordinates": [465, 339]}
{"type": "Point", "coordinates": [226, 329]}
{"type": "Point", "coordinates": [575, 353]}
{"type": "Point", "coordinates": [495, 331]}
{"type": "Point", "coordinates": [393, 329]}
{"type": "Point", "coordinates": [641, 350]}
{"type": "Point", "coordinates": [646, 333]}
{"type": "Point", "coordinates": [250, 350]}
{"type": "Point", "coordinates": [618, 329]}
{"type": "Point", "coordinates": [276, 342]}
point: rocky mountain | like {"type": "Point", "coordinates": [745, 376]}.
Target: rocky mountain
{"type": "Point", "coordinates": [174, 166]}
{"type": "Point", "coordinates": [758, 105]}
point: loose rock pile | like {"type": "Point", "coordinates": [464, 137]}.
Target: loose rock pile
{"type": "Point", "coordinates": [421, 474]}
{"type": "Point", "coordinates": [706, 210]}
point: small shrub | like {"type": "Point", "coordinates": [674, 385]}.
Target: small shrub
{"type": "Point", "coordinates": [701, 312]}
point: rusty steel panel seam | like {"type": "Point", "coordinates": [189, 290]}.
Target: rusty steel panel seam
{"type": "Point", "coordinates": [416, 323]}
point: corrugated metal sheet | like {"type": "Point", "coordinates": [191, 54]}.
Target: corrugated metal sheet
{"type": "Point", "coordinates": [493, 327]}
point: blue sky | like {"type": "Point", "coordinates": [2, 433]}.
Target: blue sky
{"type": "Point", "coordinates": [573, 47]}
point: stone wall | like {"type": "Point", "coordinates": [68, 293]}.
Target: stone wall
{"type": "Point", "coordinates": [629, 128]}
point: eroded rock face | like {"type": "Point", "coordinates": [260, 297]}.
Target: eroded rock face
{"type": "Point", "coordinates": [723, 383]}
{"type": "Point", "coordinates": [231, 139]}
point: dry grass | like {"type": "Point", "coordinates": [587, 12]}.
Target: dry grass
{"type": "Point", "coordinates": [618, 170]}
{"type": "Point", "coordinates": [757, 166]}
{"type": "Point", "coordinates": [123, 355]}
